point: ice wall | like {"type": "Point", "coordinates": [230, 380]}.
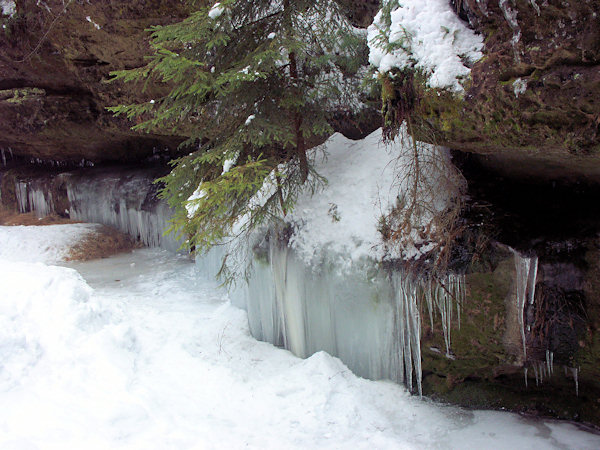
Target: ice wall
{"type": "Point", "coordinates": [125, 200]}
{"type": "Point", "coordinates": [369, 317]}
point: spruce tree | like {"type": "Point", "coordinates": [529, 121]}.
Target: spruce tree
{"type": "Point", "coordinates": [249, 84]}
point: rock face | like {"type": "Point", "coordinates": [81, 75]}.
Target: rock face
{"type": "Point", "coordinates": [54, 61]}
{"type": "Point", "coordinates": [533, 102]}
{"type": "Point", "coordinates": [537, 356]}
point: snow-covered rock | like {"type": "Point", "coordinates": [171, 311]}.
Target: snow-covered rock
{"type": "Point", "coordinates": [424, 35]}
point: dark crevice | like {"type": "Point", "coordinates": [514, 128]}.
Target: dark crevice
{"type": "Point", "coordinates": [74, 91]}
{"type": "Point", "coordinates": [89, 62]}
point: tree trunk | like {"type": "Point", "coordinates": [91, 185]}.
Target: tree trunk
{"type": "Point", "coordinates": [296, 116]}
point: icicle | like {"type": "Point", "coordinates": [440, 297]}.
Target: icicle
{"type": "Point", "coordinates": [459, 295]}
{"type": "Point", "coordinates": [408, 331]}
{"type": "Point", "coordinates": [125, 202]}
{"type": "Point", "coordinates": [3, 157]}
{"type": "Point", "coordinates": [525, 372]}
{"type": "Point", "coordinates": [522, 267]}
{"type": "Point", "coordinates": [532, 278]}
{"type": "Point", "coordinates": [535, 6]}
{"type": "Point", "coordinates": [511, 18]}
{"type": "Point", "coordinates": [526, 279]}
{"type": "Point", "coordinates": [575, 374]}
{"type": "Point", "coordinates": [550, 362]}
{"type": "Point", "coordinates": [429, 301]}
{"type": "Point", "coordinates": [442, 295]}
{"type": "Point", "coordinates": [536, 373]}
{"type": "Point", "coordinates": [21, 194]}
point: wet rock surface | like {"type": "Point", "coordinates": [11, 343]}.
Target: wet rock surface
{"type": "Point", "coordinates": [538, 356]}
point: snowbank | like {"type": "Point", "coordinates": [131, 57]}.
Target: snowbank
{"type": "Point", "coordinates": [40, 307]}
{"type": "Point", "coordinates": [425, 35]}
{"type": "Point", "coordinates": [343, 218]}
{"type": "Point", "coordinates": [365, 179]}
{"type": "Point", "coordinates": [155, 357]}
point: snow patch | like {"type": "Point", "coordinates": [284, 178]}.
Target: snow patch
{"type": "Point", "coordinates": [228, 164]}
{"type": "Point", "coordinates": [424, 35]}
{"type": "Point", "coordinates": [343, 218]}
{"type": "Point", "coordinates": [192, 203]}
{"type": "Point", "coordinates": [89, 19]}
{"type": "Point", "coordinates": [519, 86]}
{"type": "Point", "coordinates": [49, 244]}
{"type": "Point", "coordinates": [365, 179]}
{"type": "Point", "coordinates": [216, 11]}
{"type": "Point", "coordinates": [9, 7]}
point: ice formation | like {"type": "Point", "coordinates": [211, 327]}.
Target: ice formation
{"type": "Point", "coordinates": [369, 318]}
{"type": "Point", "coordinates": [511, 18]}
{"type": "Point", "coordinates": [526, 268]}
{"type": "Point", "coordinates": [33, 197]}
{"type": "Point", "coordinates": [126, 201]}
{"type": "Point", "coordinates": [442, 296]}
{"type": "Point", "coordinates": [111, 371]}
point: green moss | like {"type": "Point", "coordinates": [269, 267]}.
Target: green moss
{"type": "Point", "coordinates": [486, 374]}
{"type": "Point", "coordinates": [21, 95]}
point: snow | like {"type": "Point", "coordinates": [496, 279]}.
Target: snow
{"type": "Point", "coordinates": [192, 206]}
{"type": "Point", "coordinates": [343, 218]}
{"type": "Point", "coordinates": [48, 244]}
{"type": "Point", "coordinates": [429, 37]}
{"type": "Point", "coordinates": [148, 354]}
{"type": "Point", "coordinates": [272, 35]}
{"type": "Point", "coordinates": [519, 86]}
{"type": "Point", "coordinates": [228, 164]}
{"type": "Point", "coordinates": [216, 11]}
{"type": "Point", "coordinates": [364, 180]}
{"type": "Point", "coordinates": [511, 18]}
{"type": "Point", "coordinates": [9, 7]}
{"type": "Point", "coordinates": [249, 120]}
{"type": "Point", "coordinates": [89, 19]}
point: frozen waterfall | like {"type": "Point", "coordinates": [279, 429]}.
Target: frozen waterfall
{"type": "Point", "coordinates": [370, 318]}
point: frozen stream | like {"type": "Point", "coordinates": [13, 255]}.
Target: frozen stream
{"type": "Point", "coordinates": [147, 354]}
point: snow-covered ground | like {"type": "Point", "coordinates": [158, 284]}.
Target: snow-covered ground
{"type": "Point", "coordinates": [47, 244]}
{"type": "Point", "coordinates": [139, 351]}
